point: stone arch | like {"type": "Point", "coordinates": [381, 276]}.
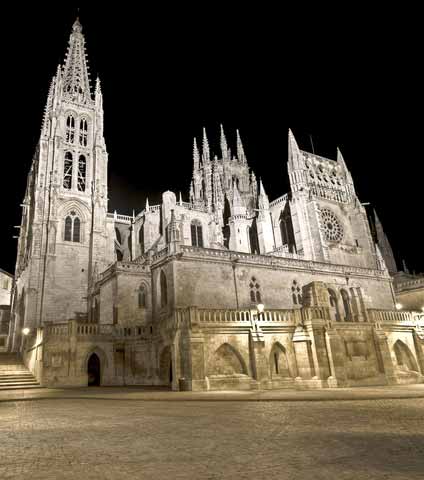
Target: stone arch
{"type": "Point", "coordinates": [334, 304]}
{"type": "Point", "coordinates": [278, 362]}
{"type": "Point", "coordinates": [165, 365]}
{"type": "Point", "coordinates": [228, 361]}
{"type": "Point", "coordinates": [163, 289]}
{"type": "Point", "coordinates": [404, 357]}
{"type": "Point", "coordinates": [346, 304]}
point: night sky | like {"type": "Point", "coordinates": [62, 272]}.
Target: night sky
{"type": "Point", "coordinates": [347, 78]}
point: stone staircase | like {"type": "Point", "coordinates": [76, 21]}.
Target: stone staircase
{"type": "Point", "coordinates": [14, 374]}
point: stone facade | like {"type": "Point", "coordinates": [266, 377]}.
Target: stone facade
{"type": "Point", "coordinates": [6, 284]}
{"type": "Point", "coordinates": [170, 296]}
{"type": "Point", "coordinates": [409, 291]}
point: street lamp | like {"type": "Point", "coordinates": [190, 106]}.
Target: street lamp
{"type": "Point", "coordinates": [25, 331]}
{"type": "Point", "coordinates": [398, 306]}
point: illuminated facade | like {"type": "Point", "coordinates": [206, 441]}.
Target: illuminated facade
{"type": "Point", "coordinates": [170, 295]}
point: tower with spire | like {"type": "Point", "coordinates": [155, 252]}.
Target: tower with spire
{"type": "Point", "coordinates": [63, 231]}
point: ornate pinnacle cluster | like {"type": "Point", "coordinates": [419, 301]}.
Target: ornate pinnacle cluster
{"type": "Point", "coordinates": [225, 151]}
{"type": "Point", "coordinates": [75, 72]}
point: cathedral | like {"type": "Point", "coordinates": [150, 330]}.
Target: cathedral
{"type": "Point", "coordinates": [230, 290]}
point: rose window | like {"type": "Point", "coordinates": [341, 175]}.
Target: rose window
{"type": "Point", "coordinates": [332, 228]}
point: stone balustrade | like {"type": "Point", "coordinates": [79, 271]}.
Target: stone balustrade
{"type": "Point", "coordinates": [73, 328]}
{"type": "Point", "coordinates": [279, 200]}
{"type": "Point", "coordinates": [395, 316]}
{"type": "Point", "coordinates": [120, 218]}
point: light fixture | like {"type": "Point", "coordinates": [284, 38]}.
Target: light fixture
{"type": "Point", "coordinates": [398, 306]}
{"type": "Point", "coordinates": [260, 307]}
{"type": "Point", "coordinates": [25, 331]}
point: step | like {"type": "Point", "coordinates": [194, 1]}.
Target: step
{"type": "Point", "coordinates": [16, 381]}
{"type": "Point", "coordinates": [9, 387]}
{"type": "Point", "coordinates": [23, 376]}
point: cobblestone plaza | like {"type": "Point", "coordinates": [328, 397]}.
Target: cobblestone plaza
{"type": "Point", "coordinates": [109, 438]}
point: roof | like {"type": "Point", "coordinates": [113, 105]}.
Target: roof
{"type": "Point", "coordinates": [6, 273]}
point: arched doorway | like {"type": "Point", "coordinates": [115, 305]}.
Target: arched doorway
{"type": "Point", "coordinates": [93, 370]}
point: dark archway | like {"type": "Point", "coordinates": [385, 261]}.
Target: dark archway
{"type": "Point", "coordinates": [93, 370]}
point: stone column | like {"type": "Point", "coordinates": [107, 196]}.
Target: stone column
{"type": "Point", "coordinates": [302, 348]}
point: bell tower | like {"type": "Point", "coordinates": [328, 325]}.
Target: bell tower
{"type": "Point", "coordinates": [63, 229]}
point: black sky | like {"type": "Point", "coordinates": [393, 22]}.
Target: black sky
{"type": "Point", "coordinates": [349, 78]}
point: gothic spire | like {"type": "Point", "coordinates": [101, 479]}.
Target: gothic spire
{"type": "Point", "coordinates": [205, 147]}
{"type": "Point", "coordinates": [224, 145]}
{"type": "Point", "coordinates": [240, 150]}
{"type": "Point", "coordinates": [340, 159]}
{"type": "Point", "coordinates": [263, 197]}
{"type": "Point", "coordinates": [196, 156]}
{"type": "Point", "coordinates": [75, 72]}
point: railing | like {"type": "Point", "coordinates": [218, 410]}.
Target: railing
{"type": "Point", "coordinates": [283, 251]}
{"type": "Point", "coordinates": [162, 253]}
{"type": "Point", "coordinates": [191, 206]}
{"type": "Point", "coordinates": [120, 218]}
{"type": "Point", "coordinates": [244, 316]}
{"type": "Point", "coordinates": [95, 329]}
{"type": "Point", "coordinates": [277, 201]}
{"type": "Point", "coordinates": [394, 316]}
{"type": "Point", "coordinates": [406, 285]}
{"type": "Point", "coordinates": [330, 193]}
{"type": "Point", "coordinates": [275, 261]}
{"type": "Point", "coordinates": [154, 208]}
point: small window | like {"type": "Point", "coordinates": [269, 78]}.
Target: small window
{"type": "Point", "coordinates": [163, 290]}
{"type": "Point", "coordinates": [255, 292]}
{"type": "Point", "coordinates": [196, 233]}
{"type": "Point", "coordinates": [296, 293]}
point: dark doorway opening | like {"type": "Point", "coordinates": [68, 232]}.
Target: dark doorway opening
{"type": "Point", "coordinates": [93, 370]}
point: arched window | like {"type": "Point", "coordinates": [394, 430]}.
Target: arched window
{"type": "Point", "coordinates": [346, 304]}
{"type": "Point", "coordinates": [163, 290]}
{"type": "Point", "coordinates": [70, 129]}
{"type": "Point", "coordinates": [141, 239]}
{"type": "Point", "coordinates": [334, 304]}
{"type": "Point", "coordinates": [72, 228]}
{"type": "Point", "coordinates": [68, 229]}
{"type": "Point", "coordinates": [67, 171]}
{"type": "Point", "coordinates": [142, 297]}
{"type": "Point", "coordinates": [196, 234]}
{"type": "Point", "coordinates": [77, 230]}
{"type": "Point", "coordinates": [286, 229]}
{"type": "Point", "coordinates": [83, 132]}
{"type": "Point", "coordinates": [255, 292]}
{"type": "Point", "coordinates": [253, 238]}
{"type": "Point", "coordinates": [296, 293]}
{"type": "Point", "coordinates": [82, 169]}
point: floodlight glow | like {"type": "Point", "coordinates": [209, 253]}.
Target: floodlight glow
{"type": "Point", "coordinates": [25, 331]}
{"type": "Point", "coordinates": [260, 307]}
